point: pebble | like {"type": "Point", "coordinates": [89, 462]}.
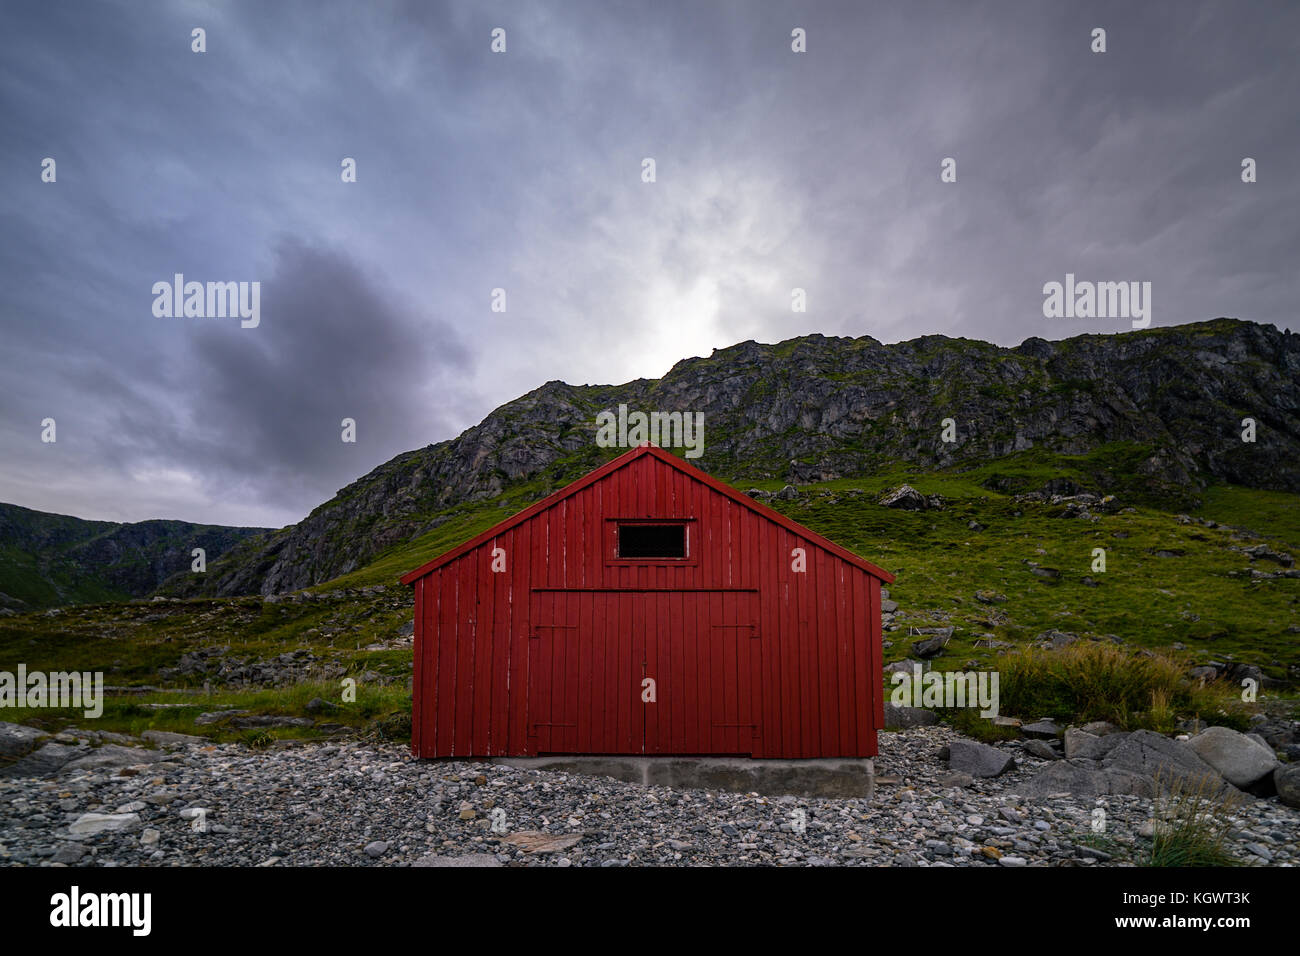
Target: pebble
{"type": "Point", "coordinates": [364, 803]}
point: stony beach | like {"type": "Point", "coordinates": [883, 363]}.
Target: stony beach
{"type": "Point", "coordinates": [97, 800]}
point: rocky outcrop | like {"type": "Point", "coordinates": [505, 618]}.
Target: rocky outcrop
{"type": "Point", "coordinates": [1166, 403]}
{"type": "Point", "coordinates": [1143, 762]}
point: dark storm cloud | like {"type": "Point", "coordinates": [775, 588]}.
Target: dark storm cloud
{"type": "Point", "coordinates": [522, 171]}
{"type": "Point", "coordinates": [331, 345]}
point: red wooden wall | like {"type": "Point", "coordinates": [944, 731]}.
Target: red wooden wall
{"type": "Point", "coordinates": [749, 656]}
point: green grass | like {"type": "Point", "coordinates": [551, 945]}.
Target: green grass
{"type": "Point", "coordinates": [129, 642]}
{"type": "Point", "coordinates": [1273, 515]}
{"type": "Point", "coordinates": [1099, 681]}
{"type": "Point", "coordinates": [1204, 599]}
{"type": "Point", "coordinates": [1192, 825]}
{"type": "Point", "coordinates": [175, 710]}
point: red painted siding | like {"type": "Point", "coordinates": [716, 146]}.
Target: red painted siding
{"type": "Point", "coordinates": [748, 656]}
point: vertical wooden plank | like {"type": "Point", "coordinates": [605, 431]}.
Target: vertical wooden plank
{"type": "Point", "coordinates": [873, 616]}
{"type": "Point", "coordinates": [570, 692]}
{"type": "Point", "coordinates": [442, 626]}
{"type": "Point", "coordinates": [571, 542]}
{"type": "Point", "coordinates": [693, 741]}
{"type": "Point", "coordinates": [418, 647]}
{"type": "Point", "coordinates": [502, 637]}
{"type": "Point", "coordinates": [754, 700]}
{"type": "Point", "coordinates": [541, 666]}
{"type": "Point", "coordinates": [612, 576]}
{"type": "Point", "coordinates": [842, 614]}
{"type": "Point", "coordinates": [484, 587]}
{"type": "Point", "coordinates": [551, 525]}
{"type": "Point", "coordinates": [467, 579]}
{"type": "Point", "coordinates": [669, 640]}
{"type": "Point", "coordinates": [719, 712]}
{"type": "Point", "coordinates": [677, 650]}
{"type": "Point", "coordinates": [585, 639]}
{"type": "Point", "coordinates": [850, 692]}
{"type": "Point", "coordinates": [518, 682]}
{"type": "Point", "coordinates": [865, 675]}
{"type": "Point", "coordinates": [774, 558]}
{"type": "Point", "coordinates": [426, 629]}
{"type": "Point", "coordinates": [628, 728]}
{"type": "Point", "coordinates": [699, 624]}
{"type": "Point", "coordinates": [801, 656]}
{"type": "Point", "coordinates": [649, 629]}
{"type": "Point", "coordinates": [784, 625]}
{"type": "Point", "coordinates": [639, 649]}
{"type": "Point", "coordinates": [594, 557]}
{"type": "Point", "coordinates": [449, 643]}
{"type": "Point", "coordinates": [827, 742]}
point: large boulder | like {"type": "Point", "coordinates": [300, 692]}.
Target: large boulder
{"type": "Point", "coordinates": [1040, 749]}
{"type": "Point", "coordinates": [111, 757]}
{"type": "Point", "coordinates": [906, 497]}
{"type": "Point", "coordinates": [1075, 742]}
{"type": "Point", "coordinates": [978, 760]}
{"type": "Point", "coordinates": [1167, 762]}
{"type": "Point", "coordinates": [1238, 759]}
{"type": "Point", "coordinates": [931, 646]}
{"type": "Point", "coordinates": [1142, 763]}
{"type": "Point", "coordinates": [1287, 780]}
{"type": "Point", "coordinates": [18, 741]}
{"type": "Point", "coordinates": [44, 762]}
{"type": "Point", "coordinates": [1080, 743]}
{"type": "Point", "coordinates": [1086, 778]}
{"type": "Point", "coordinates": [900, 718]}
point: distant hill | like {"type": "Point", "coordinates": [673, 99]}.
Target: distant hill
{"type": "Point", "coordinates": [49, 559]}
{"type": "Point", "coordinates": [1154, 415]}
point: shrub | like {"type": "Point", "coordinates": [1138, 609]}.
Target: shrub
{"type": "Point", "coordinates": [258, 739]}
{"type": "Point", "coordinates": [1191, 824]}
{"type": "Point", "coordinates": [1100, 681]}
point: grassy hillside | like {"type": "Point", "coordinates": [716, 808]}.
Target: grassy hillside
{"type": "Point", "coordinates": [1203, 595]}
{"type": "Point", "coordinates": [1179, 584]}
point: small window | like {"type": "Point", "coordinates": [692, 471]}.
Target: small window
{"type": "Point", "coordinates": [655, 541]}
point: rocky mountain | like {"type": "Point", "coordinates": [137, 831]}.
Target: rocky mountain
{"type": "Point", "coordinates": [1159, 411]}
{"type": "Point", "coordinates": [48, 559]}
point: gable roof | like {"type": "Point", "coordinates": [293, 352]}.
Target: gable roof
{"type": "Point", "coordinates": [673, 461]}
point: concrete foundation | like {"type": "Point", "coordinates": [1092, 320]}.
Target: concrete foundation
{"type": "Point", "coordinates": [825, 777]}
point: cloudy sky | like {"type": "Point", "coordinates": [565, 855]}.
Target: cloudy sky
{"type": "Point", "coordinates": [523, 171]}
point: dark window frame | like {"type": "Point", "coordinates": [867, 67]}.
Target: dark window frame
{"type": "Point", "coordinates": [690, 530]}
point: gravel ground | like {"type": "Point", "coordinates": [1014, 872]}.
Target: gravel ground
{"type": "Point", "coordinates": [363, 803]}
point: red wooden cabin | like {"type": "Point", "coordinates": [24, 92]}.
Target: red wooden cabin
{"type": "Point", "coordinates": [647, 578]}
